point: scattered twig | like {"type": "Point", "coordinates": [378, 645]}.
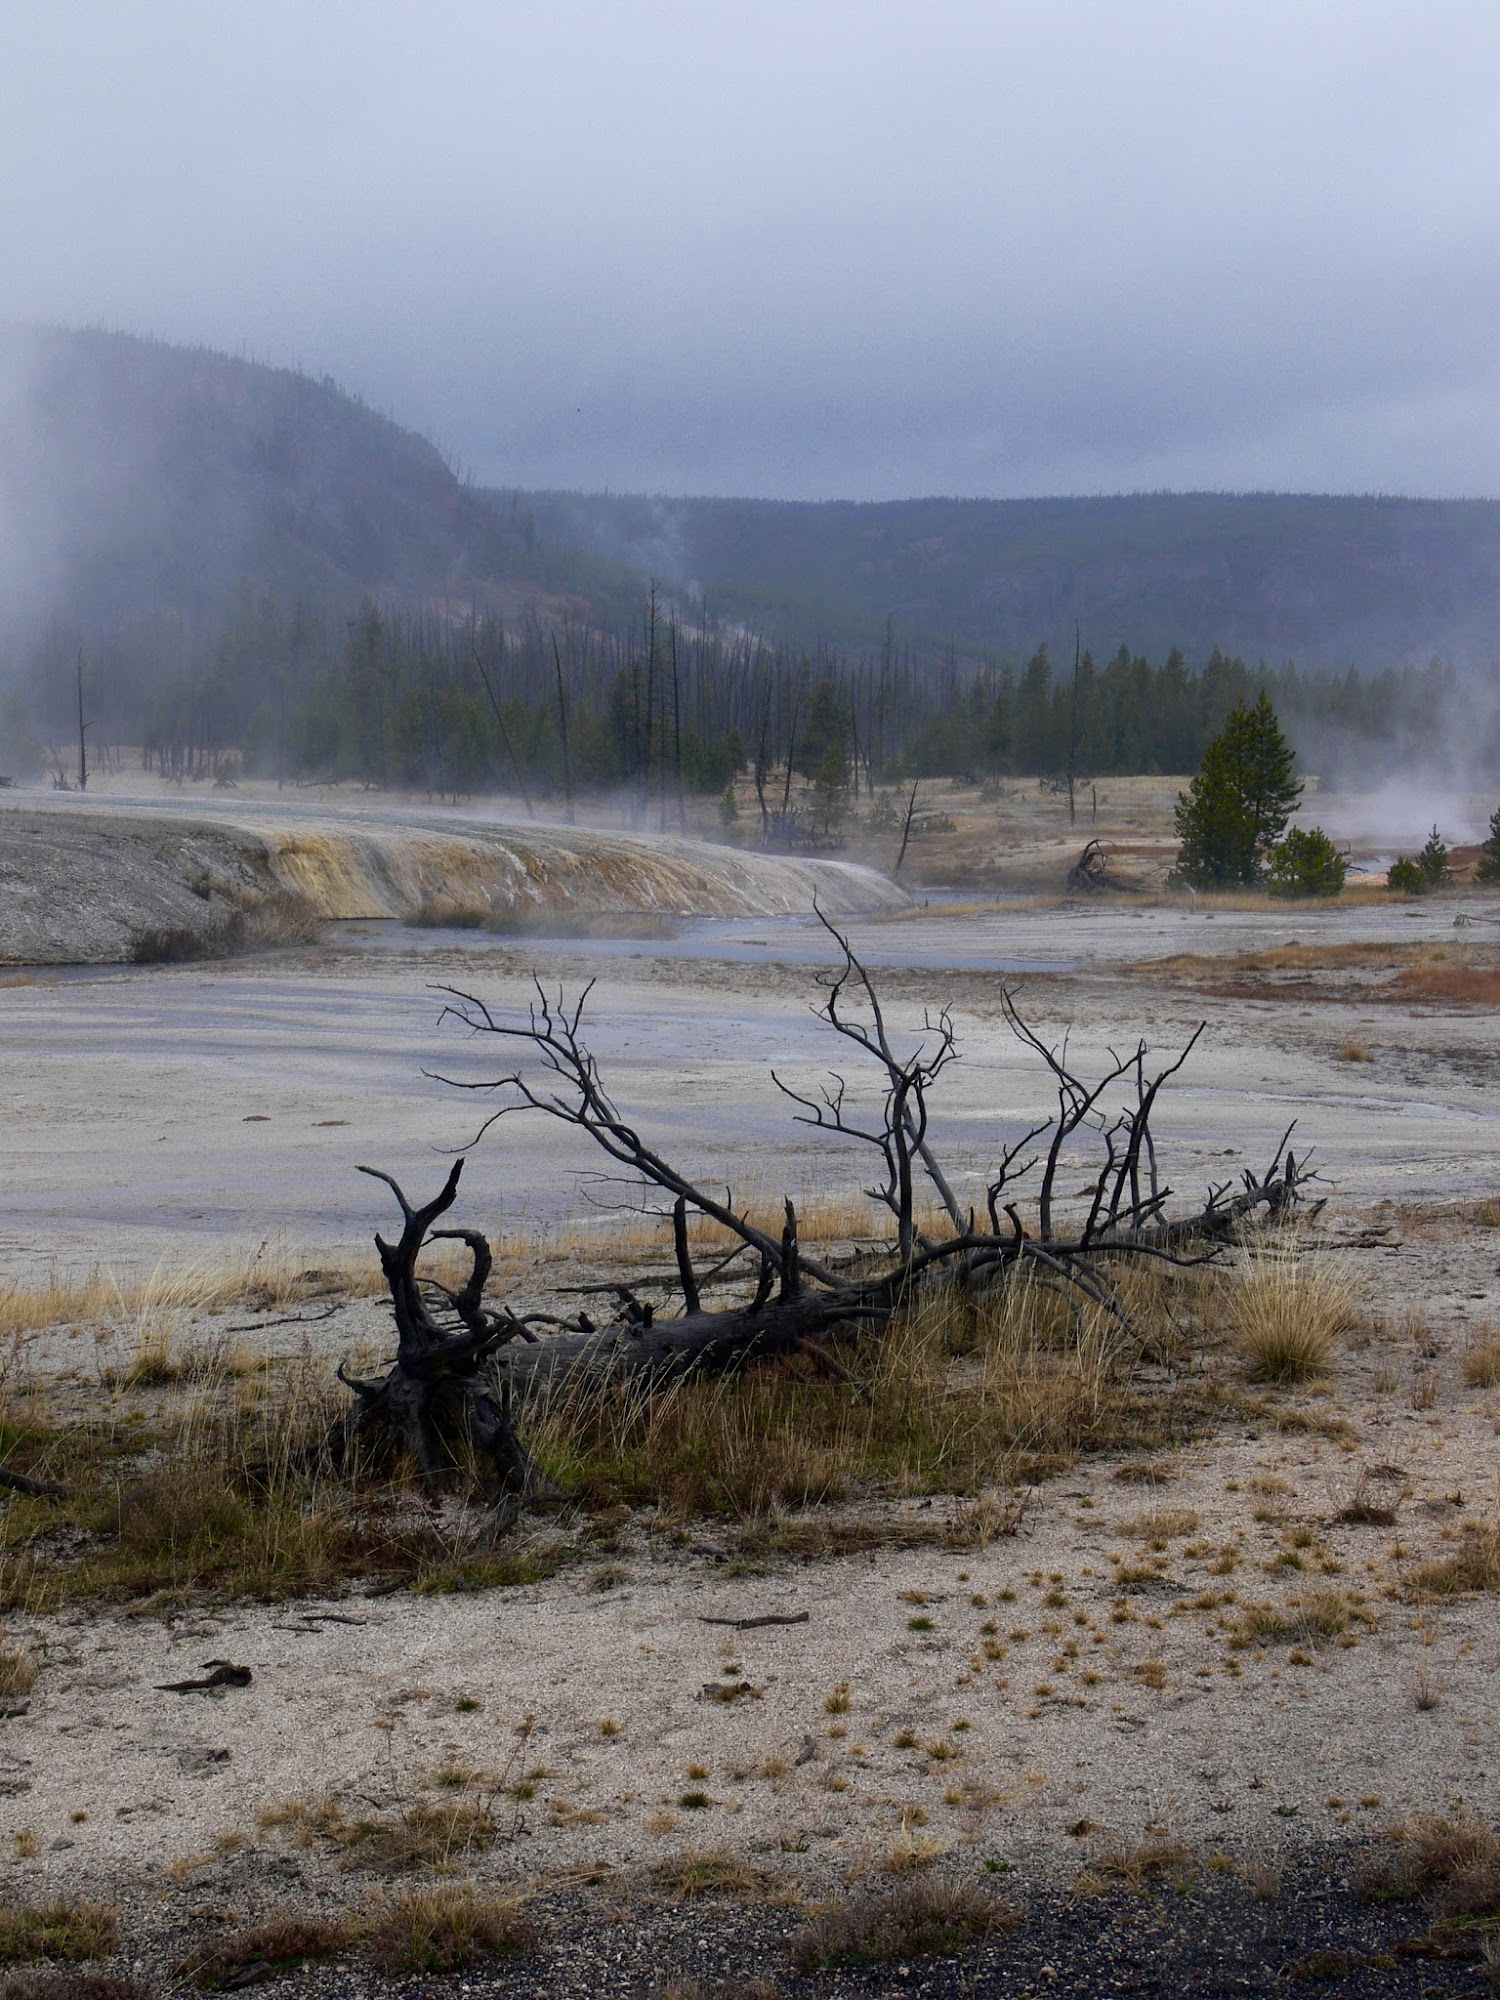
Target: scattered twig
{"type": "Point", "coordinates": [216, 1674]}
{"type": "Point", "coordinates": [287, 1319]}
{"type": "Point", "coordinates": [771, 1618]}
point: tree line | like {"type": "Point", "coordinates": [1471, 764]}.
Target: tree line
{"type": "Point", "coordinates": [670, 703]}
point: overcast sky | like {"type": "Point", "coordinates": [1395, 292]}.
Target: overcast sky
{"type": "Point", "coordinates": [867, 249]}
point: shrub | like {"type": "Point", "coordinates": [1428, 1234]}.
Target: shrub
{"type": "Point", "coordinates": [1306, 863]}
{"type": "Point", "coordinates": [1414, 876]}
{"type": "Point", "coordinates": [1433, 861]}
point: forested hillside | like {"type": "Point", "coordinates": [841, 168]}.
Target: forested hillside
{"type": "Point", "coordinates": [238, 567]}
{"type": "Point", "coordinates": [1327, 581]}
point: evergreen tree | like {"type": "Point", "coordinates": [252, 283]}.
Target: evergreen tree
{"type": "Point", "coordinates": [1306, 863]}
{"type": "Point", "coordinates": [1433, 861]}
{"type": "Point", "coordinates": [1489, 854]}
{"type": "Point", "coordinates": [1237, 807]}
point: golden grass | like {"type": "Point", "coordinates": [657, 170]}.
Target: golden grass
{"type": "Point", "coordinates": [1133, 1864]}
{"type": "Point", "coordinates": [1451, 985]}
{"type": "Point", "coordinates": [1308, 1620]}
{"type": "Point", "coordinates": [957, 1397]}
{"type": "Point", "coordinates": [17, 1674]}
{"type": "Point", "coordinates": [1473, 1567]}
{"type": "Point", "coordinates": [1286, 1309]}
{"type": "Point", "coordinates": [149, 1313]}
{"type": "Point", "coordinates": [716, 1873]}
{"type": "Point", "coordinates": [224, 1494]}
{"type": "Point", "coordinates": [279, 1943]}
{"type": "Point", "coordinates": [1453, 1864]}
{"type": "Point", "coordinates": [1481, 1365]}
{"type": "Point", "coordinates": [446, 1929]}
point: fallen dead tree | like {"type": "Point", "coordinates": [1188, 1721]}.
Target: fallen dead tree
{"type": "Point", "coordinates": [464, 1370]}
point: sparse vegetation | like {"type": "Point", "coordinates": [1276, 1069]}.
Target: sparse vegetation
{"type": "Point", "coordinates": [1452, 1864]}
{"type": "Point", "coordinates": [1474, 1566]}
{"type": "Point", "coordinates": [928, 1916]}
{"type": "Point", "coordinates": [235, 1958]}
{"type": "Point", "coordinates": [1157, 1857]}
{"type": "Point", "coordinates": [1307, 1620]}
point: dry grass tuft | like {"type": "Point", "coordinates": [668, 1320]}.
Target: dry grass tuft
{"type": "Point", "coordinates": [959, 1396]}
{"type": "Point", "coordinates": [1162, 1525]}
{"type": "Point", "coordinates": [1453, 1864]}
{"type": "Point", "coordinates": [717, 1873]}
{"type": "Point", "coordinates": [51, 1982]}
{"type": "Point", "coordinates": [154, 1312]}
{"type": "Point", "coordinates": [438, 1836]}
{"type": "Point", "coordinates": [1363, 1509]}
{"type": "Point", "coordinates": [925, 1918]}
{"type": "Point", "coordinates": [17, 1674]}
{"type": "Point", "coordinates": [1474, 1566]}
{"type": "Point", "coordinates": [1481, 1365]}
{"type": "Point", "coordinates": [239, 1957]}
{"type": "Point", "coordinates": [1133, 1865]}
{"type": "Point", "coordinates": [1308, 1620]}
{"type": "Point", "coordinates": [1354, 1052]}
{"type": "Point", "coordinates": [913, 1853]}
{"type": "Point", "coordinates": [1449, 984]}
{"type": "Point", "coordinates": [1286, 1310]}
{"type": "Point", "coordinates": [446, 1929]}
{"type": "Point", "coordinates": [61, 1929]}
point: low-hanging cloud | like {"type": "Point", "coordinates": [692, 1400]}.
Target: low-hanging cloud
{"type": "Point", "coordinates": [801, 250]}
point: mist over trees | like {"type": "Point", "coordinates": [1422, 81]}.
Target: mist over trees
{"type": "Point", "coordinates": [262, 573]}
{"type": "Point", "coordinates": [667, 704]}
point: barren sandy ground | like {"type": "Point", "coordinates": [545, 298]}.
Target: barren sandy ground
{"type": "Point", "coordinates": [177, 1113]}
{"type": "Point", "coordinates": [1020, 1704]}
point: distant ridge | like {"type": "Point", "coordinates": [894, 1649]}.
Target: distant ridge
{"type": "Point", "coordinates": [139, 478]}
{"type": "Point", "coordinates": [1327, 580]}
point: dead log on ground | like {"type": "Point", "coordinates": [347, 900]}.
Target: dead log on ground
{"type": "Point", "coordinates": [456, 1387]}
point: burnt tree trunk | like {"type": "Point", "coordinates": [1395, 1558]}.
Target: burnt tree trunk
{"type": "Point", "coordinates": [437, 1401]}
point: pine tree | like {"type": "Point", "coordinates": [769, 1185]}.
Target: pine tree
{"type": "Point", "coordinates": [1488, 869]}
{"type": "Point", "coordinates": [1237, 807]}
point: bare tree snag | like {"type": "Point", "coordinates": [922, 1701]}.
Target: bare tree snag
{"type": "Point", "coordinates": [1090, 872]}
{"type": "Point", "coordinates": [435, 1401]}
{"type": "Point", "coordinates": [458, 1385]}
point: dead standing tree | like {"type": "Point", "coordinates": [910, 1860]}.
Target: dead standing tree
{"type": "Point", "coordinates": [456, 1386]}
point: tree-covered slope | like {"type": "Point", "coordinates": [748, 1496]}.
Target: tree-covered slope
{"type": "Point", "coordinates": [1324, 580]}
{"type": "Point", "coordinates": [140, 478]}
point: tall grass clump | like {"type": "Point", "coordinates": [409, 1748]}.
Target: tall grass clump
{"type": "Point", "coordinates": [956, 1395]}
{"type": "Point", "coordinates": [1287, 1309]}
